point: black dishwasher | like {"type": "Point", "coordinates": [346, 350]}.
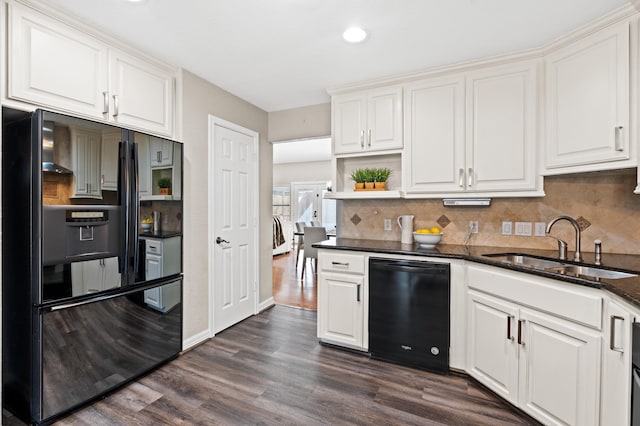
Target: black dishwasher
{"type": "Point", "coordinates": [409, 312]}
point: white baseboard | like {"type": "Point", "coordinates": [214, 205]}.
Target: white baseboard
{"type": "Point", "coordinates": [266, 304]}
{"type": "Point", "coordinates": [196, 340]}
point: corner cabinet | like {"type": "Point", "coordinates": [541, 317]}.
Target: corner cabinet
{"type": "Point", "coordinates": [587, 107]}
{"type": "Point", "coordinates": [537, 344]}
{"type": "Point", "coordinates": [53, 64]}
{"type": "Point", "coordinates": [342, 299]}
{"type": "Point", "coordinates": [456, 127]}
{"type": "Point", "coordinates": [367, 121]}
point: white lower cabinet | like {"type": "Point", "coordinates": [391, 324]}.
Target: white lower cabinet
{"type": "Point", "coordinates": [537, 343]}
{"type": "Point", "coordinates": [342, 300]}
{"type": "Point", "coordinates": [547, 366]}
{"type": "Point", "coordinates": [162, 258]}
{"type": "Point", "coordinates": [615, 403]}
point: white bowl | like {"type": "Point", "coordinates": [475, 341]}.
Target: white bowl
{"type": "Point", "coordinates": [427, 240]}
{"type": "Point", "coordinates": [146, 226]}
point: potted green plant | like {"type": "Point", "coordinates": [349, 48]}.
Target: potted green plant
{"type": "Point", "coordinates": [358, 176]}
{"type": "Point", "coordinates": [165, 186]}
{"type": "Point", "coordinates": [369, 178]}
{"type": "Point", "coordinates": [381, 178]}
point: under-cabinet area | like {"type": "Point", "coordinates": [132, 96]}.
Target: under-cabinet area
{"type": "Point", "coordinates": [557, 350]}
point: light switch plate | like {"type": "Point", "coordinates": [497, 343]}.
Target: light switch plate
{"type": "Point", "coordinates": [506, 228]}
{"type": "Point", "coordinates": [387, 224]}
{"type": "Point", "coordinates": [540, 229]}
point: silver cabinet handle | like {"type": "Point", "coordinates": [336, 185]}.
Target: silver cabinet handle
{"type": "Point", "coordinates": [358, 294]}
{"type": "Point", "coordinates": [362, 138]}
{"type": "Point", "coordinates": [105, 102]}
{"type": "Point", "coordinates": [612, 334]}
{"type": "Point", "coordinates": [115, 106]}
{"type": "Point", "coordinates": [369, 139]}
{"type": "Point", "coordinates": [159, 156]}
{"type": "Point", "coordinates": [334, 263]}
{"type": "Point", "coordinates": [470, 177]}
{"type": "Point", "coordinates": [461, 178]}
{"type": "Point", "coordinates": [101, 179]}
{"type": "Point", "coordinates": [618, 138]}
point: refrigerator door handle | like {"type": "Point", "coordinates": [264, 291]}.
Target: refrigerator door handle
{"type": "Point", "coordinates": [135, 209]}
{"type": "Point", "coordinates": [122, 191]}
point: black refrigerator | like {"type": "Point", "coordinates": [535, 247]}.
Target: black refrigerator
{"type": "Point", "coordinates": [80, 317]}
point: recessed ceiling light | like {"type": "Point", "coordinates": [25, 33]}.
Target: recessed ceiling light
{"type": "Point", "coordinates": [354, 35]}
{"type": "Point", "coordinates": [137, 1]}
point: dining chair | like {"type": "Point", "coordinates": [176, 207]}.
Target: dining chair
{"type": "Point", "coordinates": [312, 234]}
{"type": "Point", "coordinates": [315, 223]}
{"type": "Point", "coordinates": [299, 239]}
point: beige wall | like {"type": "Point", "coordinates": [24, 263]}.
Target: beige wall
{"type": "Point", "coordinates": [312, 171]}
{"type": "Point", "coordinates": [604, 200]}
{"type": "Point", "coordinates": [199, 99]}
{"type": "Point", "coordinates": [299, 123]}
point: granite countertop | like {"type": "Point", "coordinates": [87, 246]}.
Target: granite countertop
{"type": "Point", "coordinates": [627, 288]}
{"type": "Point", "coordinates": [161, 234]}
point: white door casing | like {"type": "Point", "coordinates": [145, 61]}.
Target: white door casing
{"type": "Point", "coordinates": [233, 216]}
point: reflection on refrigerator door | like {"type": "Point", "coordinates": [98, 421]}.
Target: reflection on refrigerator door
{"type": "Point", "coordinates": [92, 347]}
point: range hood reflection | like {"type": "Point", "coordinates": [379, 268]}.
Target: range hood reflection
{"type": "Point", "coordinates": [48, 164]}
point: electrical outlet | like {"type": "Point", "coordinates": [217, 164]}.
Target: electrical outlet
{"type": "Point", "coordinates": [540, 229]}
{"type": "Point", "coordinates": [387, 224]}
{"type": "Point", "coordinates": [473, 225]}
{"type": "Point", "coordinates": [506, 228]}
{"type": "Point", "coordinates": [523, 229]}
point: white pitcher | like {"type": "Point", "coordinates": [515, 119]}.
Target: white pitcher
{"type": "Point", "coordinates": [405, 223]}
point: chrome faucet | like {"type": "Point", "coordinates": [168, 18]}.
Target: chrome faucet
{"type": "Point", "coordinates": [562, 246]}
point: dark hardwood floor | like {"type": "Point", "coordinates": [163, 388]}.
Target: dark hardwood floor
{"type": "Point", "coordinates": [289, 288]}
{"type": "Point", "coordinates": [271, 370]}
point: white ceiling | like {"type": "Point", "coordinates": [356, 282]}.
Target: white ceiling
{"type": "Point", "coordinates": [281, 54]}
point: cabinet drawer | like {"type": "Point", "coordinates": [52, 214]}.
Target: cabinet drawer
{"type": "Point", "coordinates": [341, 262]}
{"type": "Point", "coordinates": [154, 247]}
{"type": "Point", "coordinates": [570, 301]}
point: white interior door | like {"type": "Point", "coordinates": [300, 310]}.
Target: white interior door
{"type": "Point", "coordinates": [233, 236]}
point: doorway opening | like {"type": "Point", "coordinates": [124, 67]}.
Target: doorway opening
{"type": "Point", "coordinates": [301, 176]}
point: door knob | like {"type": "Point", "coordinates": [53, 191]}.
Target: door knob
{"type": "Point", "coordinates": [220, 241]}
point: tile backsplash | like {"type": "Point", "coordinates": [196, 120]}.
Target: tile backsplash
{"type": "Point", "coordinates": [603, 202]}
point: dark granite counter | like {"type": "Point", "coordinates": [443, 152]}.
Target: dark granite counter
{"type": "Point", "coordinates": [161, 234]}
{"type": "Point", "coordinates": [627, 288]}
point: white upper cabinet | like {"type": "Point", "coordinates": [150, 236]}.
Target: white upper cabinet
{"type": "Point", "coordinates": [85, 161]}
{"type": "Point", "coordinates": [55, 65]}
{"type": "Point", "coordinates": [367, 121]}
{"type": "Point", "coordinates": [161, 151]}
{"type": "Point", "coordinates": [472, 132]}
{"type": "Point", "coordinates": [434, 134]}
{"type": "Point", "coordinates": [501, 128]}
{"type": "Point", "coordinates": [141, 94]}
{"type": "Point", "coordinates": [587, 108]}
{"type": "Point", "coordinates": [109, 160]}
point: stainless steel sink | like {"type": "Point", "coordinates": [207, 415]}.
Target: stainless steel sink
{"type": "Point", "coordinates": [556, 267]}
{"type": "Point", "coordinates": [578, 271]}
{"type": "Point", "coordinates": [524, 260]}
